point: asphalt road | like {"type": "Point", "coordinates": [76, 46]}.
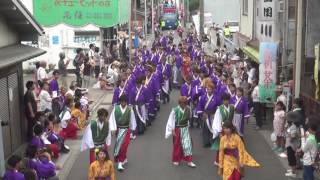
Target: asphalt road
{"type": "Point", "coordinates": [149, 156]}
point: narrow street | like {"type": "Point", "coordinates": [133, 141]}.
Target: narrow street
{"type": "Point", "coordinates": [149, 156]}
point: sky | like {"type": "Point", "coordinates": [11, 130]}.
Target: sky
{"type": "Point", "coordinates": [28, 4]}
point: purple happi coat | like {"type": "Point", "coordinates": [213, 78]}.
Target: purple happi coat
{"type": "Point", "coordinates": [161, 55]}
{"type": "Point", "coordinates": [232, 95]}
{"type": "Point", "coordinates": [13, 175]}
{"type": "Point", "coordinates": [119, 91]}
{"type": "Point", "coordinates": [241, 108]}
{"type": "Point", "coordinates": [138, 71]}
{"type": "Point", "coordinates": [54, 86]}
{"type": "Point", "coordinates": [152, 86]}
{"type": "Point", "coordinates": [139, 59]}
{"type": "Point", "coordinates": [207, 104]}
{"type": "Point", "coordinates": [52, 137]}
{"type": "Point", "coordinates": [154, 58]}
{"type": "Point", "coordinates": [140, 98]}
{"type": "Point", "coordinates": [204, 106]}
{"type": "Point", "coordinates": [197, 92]}
{"type": "Point", "coordinates": [186, 90]}
{"type": "Point", "coordinates": [44, 168]}
{"type": "Point", "coordinates": [221, 89]}
{"type": "Point", "coordinates": [145, 55]}
{"type": "Point", "coordinates": [164, 70]}
{"type": "Point", "coordinates": [207, 70]}
{"type": "Point", "coordinates": [37, 141]}
{"type": "Point", "coordinates": [179, 60]}
{"type": "Point", "coordinates": [164, 41]}
{"type": "Point", "coordinates": [195, 81]}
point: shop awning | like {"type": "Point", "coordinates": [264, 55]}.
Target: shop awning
{"type": "Point", "coordinates": [14, 54]}
{"type": "Point", "coordinates": [252, 53]}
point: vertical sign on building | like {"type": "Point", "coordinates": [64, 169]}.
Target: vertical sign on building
{"type": "Point", "coordinates": [267, 71]}
{"type": "Point", "coordinates": [267, 18]}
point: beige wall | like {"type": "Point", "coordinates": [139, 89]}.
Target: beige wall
{"type": "Point", "coordinates": [246, 21]}
{"type": "Point", "coordinates": [7, 35]}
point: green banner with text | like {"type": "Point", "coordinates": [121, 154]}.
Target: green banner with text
{"type": "Point", "coordinates": [102, 13]}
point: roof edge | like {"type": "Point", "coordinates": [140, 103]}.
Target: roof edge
{"type": "Point", "coordinates": [28, 16]}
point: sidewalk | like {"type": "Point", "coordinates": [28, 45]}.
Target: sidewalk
{"type": "Point", "coordinates": [100, 98]}
{"type": "Point", "coordinates": [103, 100]}
{"type": "Point", "coordinates": [267, 129]}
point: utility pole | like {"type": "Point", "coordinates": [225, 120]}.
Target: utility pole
{"type": "Point", "coordinates": [299, 30]}
{"type": "Point", "coordinates": [130, 21]}
{"type": "Point", "coordinates": [152, 19]}
{"type": "Point", "coordinates": [201, 18]}
{"type": "Point", "coordinates": [145, 19]}
{"type": "Point", "coordinates": [284, 39]}
{"type": "Point", "coordinates": [135, 9]}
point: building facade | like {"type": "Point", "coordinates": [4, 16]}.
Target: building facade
{"type": "Point", "coordinates": [16, 25]}
{"type": "Point", "coordinates": [215, 7]}
{"type": "Point", "coordinates": [309, 63]}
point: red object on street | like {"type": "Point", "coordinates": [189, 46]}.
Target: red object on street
{"type": "Point", "coordinates": [177, 154]}
{"type": "Point", "coordinates": [70, 132]}
{"type": "Point", "coordinates": [236, 175]}
{"type": "Point", "coordinates": [124, 148]}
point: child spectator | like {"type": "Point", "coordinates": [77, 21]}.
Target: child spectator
{"type": "Point", "coordinates": [14, 163]}
{"type": "Point", "coordinates": [40, 162]}
{"type": "Point", "coordinates": [309, 152]}
{"type": "Point", "coordinates": [53, 137]}
{"type": "Point", "coordinates": [54, 85]}
{"type": "Point", "coordinates": [278, 126]}
{"type": "Point", "coordinates": [78, 116]}
{"type": "Point", "coordinates": [292, 142]}
{"type": "Point", "coordinates": [69, 128]}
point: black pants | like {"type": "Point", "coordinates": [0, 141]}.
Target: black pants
{"type": "Point", "coordinates": [78, 77]}
{"type": "Point", "coordinates": [164, 97]}
{"type": "Point", "coordinates": [140, 126]}
{"type": "Point", "coordinates": [30, 122]}
{"type": "Point", "coordinates": [96, 71]}
{"type": "Point", "coordinates": [206, 135]}
{"type": "Point", "coordinates": [292, 161]}
{"type": "Point", "coordinates": [257, 112]}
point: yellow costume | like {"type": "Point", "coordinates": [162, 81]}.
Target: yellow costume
{"type": "Point", "coordinates": [96, 170]}
{"type": "Point", "coordinates": [80, 116]}
{"type": "Point", "coordinates": [231, 154]}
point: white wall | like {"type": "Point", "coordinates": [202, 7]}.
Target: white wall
{"type": "Point", "coordinates": [223, 10]}
{"type": "Point", "coordinates": [246, 21]}
{"type": "Point", "coordinates": [273, 21]}
{"type": "Point", "coordinates": [7, 35]}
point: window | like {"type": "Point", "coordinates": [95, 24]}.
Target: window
{"type": "Point", "coordinates": [266, 30]}
{"type": "Point", "coordinates": [245, 7]}
{"type": "Point", "coordinates": [262, 29]}
{"type": "Point", "coordinates": [292, 10]}
{"type": "Point", "coordinates": [270, 30]}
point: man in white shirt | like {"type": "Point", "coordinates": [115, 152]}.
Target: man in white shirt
{"type": "Point", "coordinates": [45, 98]}
{"type": "Point", "coordinates": [41, 73]}
{"type": "Point", "coordinates": [251, 75]}
{"type": "Point", "coordinates": [256, 104]}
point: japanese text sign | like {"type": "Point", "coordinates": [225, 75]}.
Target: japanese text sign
{"type": "Point", "coordinates": [267, 71]}
{"type": "Point", "coordinates": [102, 13]}
{"type": "Point", "coordinates": [268, 10]}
